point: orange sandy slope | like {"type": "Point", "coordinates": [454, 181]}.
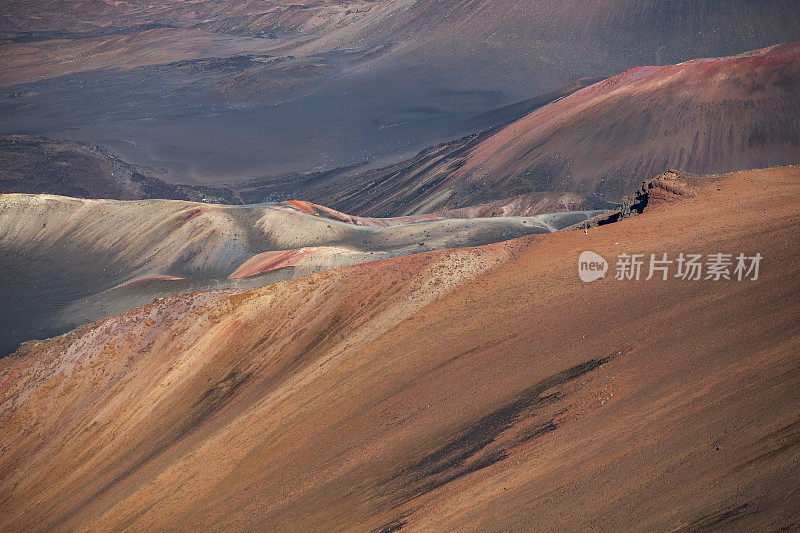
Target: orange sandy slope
{"type": "Point", "coordinates": [467, 389]}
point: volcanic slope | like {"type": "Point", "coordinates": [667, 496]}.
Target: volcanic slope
{"type": "Point", "coordinates": [702, 116]}
{"type": "Point", "coordinates": [466, 389]}
{"type": "Point", "coordinates": [68, 261]}
{"type": "Point", "coordinates": [707, 115]}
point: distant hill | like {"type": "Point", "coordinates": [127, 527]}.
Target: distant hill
{"type": "Point", "coordinates": [704, 116]}
{"type": "Point", "coordinates": [68, 261]}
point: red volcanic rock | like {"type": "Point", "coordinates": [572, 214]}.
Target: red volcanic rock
{"type": "Point", "coordinates": [671, 186]}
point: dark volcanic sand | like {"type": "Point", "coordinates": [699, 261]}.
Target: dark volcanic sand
{"type": "Point", "coordinates": [358, 82]}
